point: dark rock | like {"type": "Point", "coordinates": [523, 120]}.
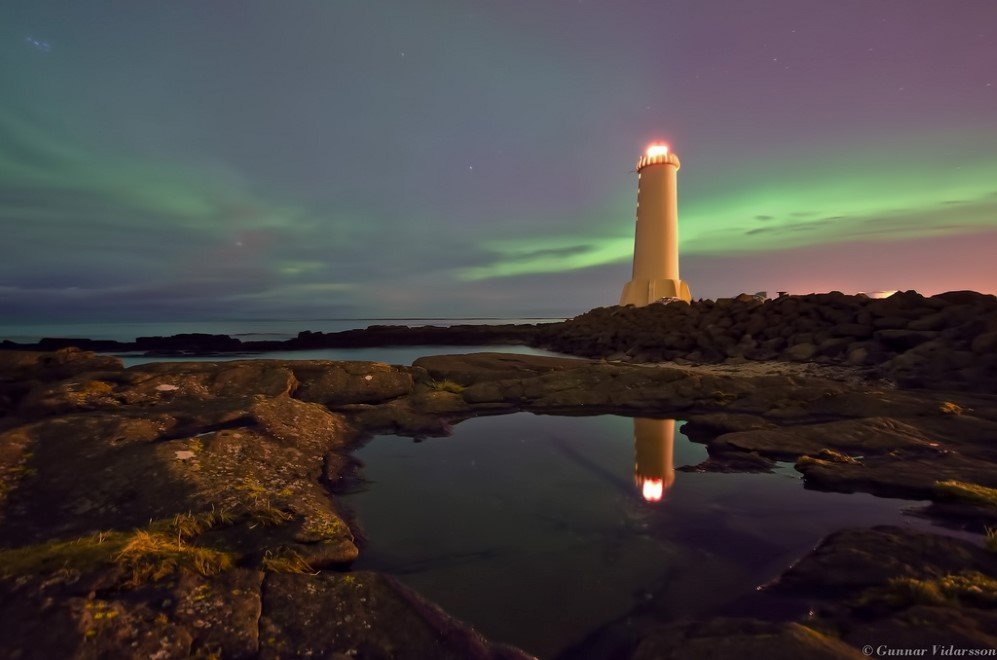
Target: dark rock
{"type": "Point", "coordinates": [364, 615]}
{"type": "Point", "coordinates": [336, 383]}
{"type": "Point", "coordinates": [891, 323]}
{"type": "Point", "coordinates": [935, 321]}
{"type": "Point", "coordinates": [860, 576]}
{"type": "Point", "coordinates": [856, 330]}
{"type": "Point", "coordinates": [864, 436]}
{"type": "Point", "coordinates": [712, 425]}
{"type": "Point", "coordinates": [732, 461]}
{"type": "Point", "coordinates": [985, 343]}
{"type": "Point", "coordinates": [858, 354]}
{"type": "Point", "coordinates": [898, 474]}
{"type": "Point", "coordinates": [189, 343]}
{"type": "Point", "coordinates": [479, 367]}
{"type": "Point", "coordinates": [903, 339]}
{"type": "Point", "coordinates": [801, 352]}
{"type": "Point", "coordinates": [741, 638]}
{"type": "Point", "coordinates": [93, 615]}
{"type": "Point", "coordinates": [852, 560]}
{"type": "Point", "coordinates": [966, 298]}
{"type": "Point", "coordinates": [46, 367]}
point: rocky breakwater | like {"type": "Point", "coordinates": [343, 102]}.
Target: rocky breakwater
{"type": "Point", "coordinates": [947, 340]}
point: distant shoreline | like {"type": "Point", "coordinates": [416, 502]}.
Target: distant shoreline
{"type": "Point", "coordinates": [203, 344]}
{"type": "Point", "coordinates": [948, 340]}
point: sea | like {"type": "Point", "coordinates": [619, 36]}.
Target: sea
{"type": "Point", "coordinates": [270, 330]}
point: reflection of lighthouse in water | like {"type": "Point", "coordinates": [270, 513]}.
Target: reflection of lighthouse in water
{"type": "Point", "coordinates": [654, 471]}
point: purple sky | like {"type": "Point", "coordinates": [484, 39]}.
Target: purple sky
{"type": "Point", "coordinates": [231, 159]}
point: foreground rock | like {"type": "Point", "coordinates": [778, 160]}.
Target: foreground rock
{"type": "Point", "coordinates": [884, 586]}
{"type": "Point", "coordinates": [176, 509]}
{"type": "Point", "coordinates": [180, 509]}
{"type": "Point", "coordinates": [899, 588]}
{"type": "Point", "coordinates": [237, 613]}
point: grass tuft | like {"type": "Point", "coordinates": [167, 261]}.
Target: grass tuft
{"type": "Point", "coordinates": [952, 408]}
{"type": "Point", "coordinates": [825, 456]}
{"type": "Point", "coordinates": [446, 385]}
{"type": "Point", "coordinates": [967, 492]}
{"type": "Point", "coordinates": [904, 592]}
{"type": "Point", "coordinates": [287, 561]}
{"type": "Point", "coordinates": [971, 588]}
{"type": "Point", "coordinates": [261, 509]}
{"type": "Point", "coordinates": [152, 556]}
{"type": "Point", "coordinates": [270, 516]}
{"type": "Point", "coordinates": [95, 388]}
{"type": "Point", "coordinates": [991, 539]}
{"type": "Point", "coordinates": [93, 550]}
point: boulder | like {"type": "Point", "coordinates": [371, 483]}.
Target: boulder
{"type": "Point", "coordinates": [985, 343]}
{"type": "Point", "coordinates": [801, 352]}
{"type": "Point", "coordinates": [55, 365]}
{"type": "Point", "coordinates": [903, 339]}
{"type": "Point", "coordinates": [337, 383]}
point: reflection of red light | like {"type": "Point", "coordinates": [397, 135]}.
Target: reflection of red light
{"type": "Point", "coordinates": [652, 489]}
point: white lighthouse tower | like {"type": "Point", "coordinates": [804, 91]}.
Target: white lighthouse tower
{"type": "Point", "coordinates": [656, 242]}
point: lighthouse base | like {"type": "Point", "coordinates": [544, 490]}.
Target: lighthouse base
{"type": "Point", "coordinates": [645, 292]}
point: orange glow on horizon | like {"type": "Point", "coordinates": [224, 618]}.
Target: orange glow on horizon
{"type": "Point", "coordinates": [652, 489]}
{"type": "Point", "coordinates": [657, 150]}
{"type": "Point", "coordinates": [878, 294]}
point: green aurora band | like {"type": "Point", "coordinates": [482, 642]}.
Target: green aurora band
{"type": "Point", "coordinates": [869, 196]}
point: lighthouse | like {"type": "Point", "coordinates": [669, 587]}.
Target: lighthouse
{"type": "Point", "coordinates": [656, 240]}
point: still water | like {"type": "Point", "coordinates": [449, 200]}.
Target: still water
{"type": "Point", "coordinates": [539, 530]}
{"type": "Point", "coordinates": [389, 354]}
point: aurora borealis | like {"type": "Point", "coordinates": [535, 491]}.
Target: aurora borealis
{"type": "Point", "coordinates": [320, 159]}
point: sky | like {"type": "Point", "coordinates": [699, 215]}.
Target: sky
{"type": "Point", "coordinates": [245, 159]}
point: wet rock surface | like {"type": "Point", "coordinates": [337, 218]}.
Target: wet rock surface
{"type": "Point", "coordinates": [180, 509]}
{"type": "Point", "coordinates": [900, 588]}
